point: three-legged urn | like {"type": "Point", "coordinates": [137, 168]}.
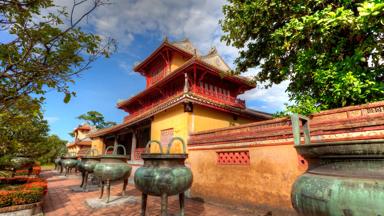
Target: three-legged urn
{"type": "Point", "coordinates": [163, 175]}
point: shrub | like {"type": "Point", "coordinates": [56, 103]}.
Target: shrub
{"type": "Point", "coordinates": [35, 171]}
{"type": "Point", "coordinates": [20, 191]}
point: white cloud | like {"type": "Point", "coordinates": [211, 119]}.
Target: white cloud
{"type": "Point", "coordinates": [123, 19]}
{"type": "Point", "coordinates": [127, 68]}
{"type": "Point", "coordinates": [197, 20]}
{"type": "Point", "coordinates": [273, 98]}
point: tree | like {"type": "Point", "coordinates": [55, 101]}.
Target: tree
{"type": "Point", "coordinates": [24, 132]}
{"type": "Point", "coordinates": [45, 52]}
{"type": "Point", "coordinates": [96, 119]}
{"type": "Point", "coordinates": [53, 147]}
{"type": "Point", "coordinates": [331, 52]}
{"type": "Point", "coordinates": [22, 128]}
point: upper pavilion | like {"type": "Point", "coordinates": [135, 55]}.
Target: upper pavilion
{"type": "Point", "coordinates": [82, 144]}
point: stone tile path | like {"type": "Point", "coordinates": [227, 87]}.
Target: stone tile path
{"type": "Point", "coordinates": [61, 200]}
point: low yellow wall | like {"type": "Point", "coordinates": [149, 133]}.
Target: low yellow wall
{"type": "Point", "coordinates": [207, 119]}
{"type": "Point", "coordinates": [266, 180]}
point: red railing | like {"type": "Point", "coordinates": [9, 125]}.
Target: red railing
{"type": "Point", "coordinates": [215, 94]}
{"type": "Point", "coordinates": [209, 93]}
{"type": "Point", "coordinates": [149, 106]}
{"type": "Point", "coordinates": [138, 152]}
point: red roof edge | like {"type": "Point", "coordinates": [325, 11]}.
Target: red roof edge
{"type": "Point", "coordinates": [165, 43]}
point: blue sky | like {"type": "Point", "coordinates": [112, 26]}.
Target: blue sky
{"type": "Point", "coordinates": [139, 27]}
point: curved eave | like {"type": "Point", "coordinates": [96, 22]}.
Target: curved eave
{"type": "Point", "coordinates": [141, 65]}
{"type": "Point", "coordinates": [80, 143]}
{"type": "Point", "coordinates": [212, 69]}
{"type": "Point", "coordinates": [217, 71]}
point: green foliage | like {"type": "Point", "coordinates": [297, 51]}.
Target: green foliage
{"type": "Point", "coordinates": [48, 48]}
{"type": "Point", "coordinates": [51, 148]}
{"type": "Point", "coordinates": [330, 51]}
{"type": "Point", "coordinates": [23, 131]}
{"type": "Point", "coordinates": [22, 128]}
{"type": "Point", "coordinates": [96, 119]}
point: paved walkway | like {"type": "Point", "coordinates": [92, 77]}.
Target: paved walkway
{"type": "Point", "coordinates": [61, 200]}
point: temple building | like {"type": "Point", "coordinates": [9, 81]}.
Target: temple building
{"type": "Point", "coordinates": [185, 93]}
{"type": "Point", "coordinates": [82, 143]}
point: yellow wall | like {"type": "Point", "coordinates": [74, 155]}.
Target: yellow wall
{"type": "Point", "coordinates": [98, 144]}
{"type": "Point", "coordinates": [177, 61]}
{"type": "Point", "coordinates": [206, 119]}
{"type": "Point", "coordinates": [183, 123]}
{"type": "Point", "coordinates": [175, 118]}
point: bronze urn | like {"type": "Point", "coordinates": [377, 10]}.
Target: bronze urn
{"type": "Point", "coordinates": [69, 162]}
{"type": "Point", "coordinates": [113, 167]}
{"type": "Point", "coordinates": [21, 162]}
{"type": "Point", "coordinates": [57, 163]}
{"type": "Point", "coordinates": [343, 178]}
{"type": "Point", "coordinates": [87, 165]}
{"type": "Point", "coordinates": [163, 175]}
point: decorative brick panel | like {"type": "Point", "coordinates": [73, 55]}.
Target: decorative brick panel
{"type": "Point", "coordinates": [233, 158]}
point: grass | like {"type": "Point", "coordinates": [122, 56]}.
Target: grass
{"type": "Point", "coordinates": [45, 167]}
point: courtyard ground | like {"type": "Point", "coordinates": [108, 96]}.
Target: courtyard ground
{"type": "Point", "coordinates": [62, 200]}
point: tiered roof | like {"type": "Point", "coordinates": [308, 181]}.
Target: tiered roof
{"type": "Point", "coordinates": [84, 141]}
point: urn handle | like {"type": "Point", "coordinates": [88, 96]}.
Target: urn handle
{"type": "Point", "coordinates": [115, 150]}
{"type": "Point", "coordinates": [149, 144]}
{"type": "Point", "coordinates": [106, 150]}
{"type": "Point", "coordinates": [296, 119]}
{"type": "Point", "coordinates": [172, 141]}
{"type": "Point", "coordinates": [121, 146]}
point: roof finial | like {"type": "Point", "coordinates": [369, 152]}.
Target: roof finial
{"type": "Point", "coordinates": [166, 39]}
{"type": "Point", "coordinates": [213, 50]}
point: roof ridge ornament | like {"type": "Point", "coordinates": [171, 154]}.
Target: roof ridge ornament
{"type": "Point", "coordinates": [165, 39]}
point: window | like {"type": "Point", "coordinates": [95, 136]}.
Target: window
{"type": "Point", "coordinates": [166, 136]}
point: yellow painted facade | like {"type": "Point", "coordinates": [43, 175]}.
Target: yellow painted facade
{"type": "Point", "coordinates": [183, 123]}
{"type": "Point", "coordinates": [204, 118]}
{"type": "Point", "coordinates": [174, 118]}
